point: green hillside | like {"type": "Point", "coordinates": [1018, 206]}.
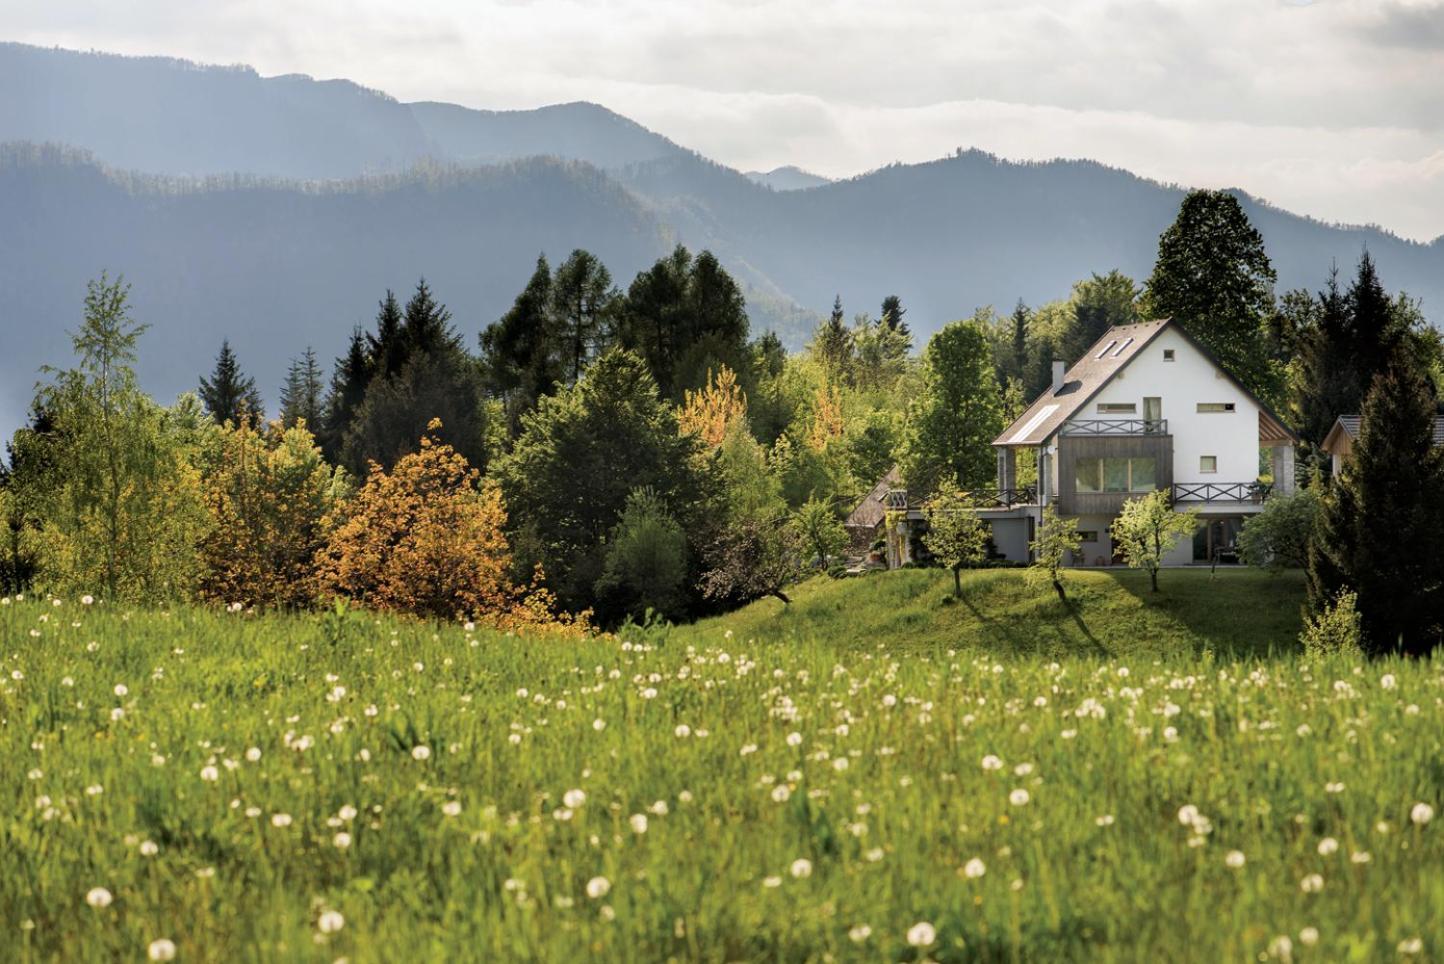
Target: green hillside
{"type": "Point", "coordinates": [1232, 612]}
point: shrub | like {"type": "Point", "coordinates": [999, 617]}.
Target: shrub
{"type": "Point", "coordinates": [1278, 537]}
{"type": "Point", "coordinates": [646, 560]}
{"type": "Point", "coordinates": [1336, 629]}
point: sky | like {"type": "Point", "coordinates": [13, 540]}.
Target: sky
{"type": "Point", "coordinates": [1331, 108]}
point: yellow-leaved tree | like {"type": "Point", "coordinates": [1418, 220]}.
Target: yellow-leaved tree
{"type": "Point", "coordinates": [713, 410]}
{"type": "Point", "coordinates": [428, 538]}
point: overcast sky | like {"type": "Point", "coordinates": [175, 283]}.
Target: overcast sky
{"type": "Point", "coordinates": [1333, 108]}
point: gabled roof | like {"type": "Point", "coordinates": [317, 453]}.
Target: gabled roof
{"type": "Point", "coordinates": [1105, 358]}
{"type": "Point", "coordinates": [1086, 378]}
{"type": "Point", "coordinates": [872, 509]}
{"type": "Point", "coordinates": [1347, 426]}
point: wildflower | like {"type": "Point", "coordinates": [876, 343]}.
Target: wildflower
{"type": "Point", "coordinates": [341, 841]}
{"type": "Point", "coordinates": [1412, 945]}
{"type": "Point", "coordinates": [1188, 814]}
{"type": "Point", "coordinates": [599, 724]}
{"type": "Point", "coordinates": [801, 867]}
{"type": "Point", "coordinates": [1282, 948]}
{"type": "Point", "coordinates": [161, 949]}
{"type": "Point", "coordinates": [253, 754]}
{"type": "Point", "coordinates": [974, 869]}
{"type": "Point", "coordinates": [98, 897]}
{"type": "Point", "coordinates": [683, 730]}
{"type": "Point", "coordinates": [120, 689]}
{"type": "Point", "coordinates": [1312, 884]}
{"type": "Point", "coordinates": [280, 819]}
{"type": "Point", "coordinates": [859, 933]}
{"type": "Point", "coordinates": [1421, 814]}
{"type": "Point", "coordinates": [638, 822]}
{"type": "Point", "coordinates": [1106, 820]}
{"type": "Point", "coordinates": [1328, 846]}
{"type": "Point", "coordinates": [421, 752]}
{"type": "Point", "coordinates": [210, 774]}
{"type": "Point", "coordinates": [922, 934]}
{"type": "Point", "coordinates": [347, 812]}
{"type": "Point", "coordinates": [149, 848]}
{"type": "Point", "coordinates": [1309, 936]}
{"type": "Point", "coordinates": [86, 600]}
{"type": "Point", "coordinates": [598, 887]}
{"type": "Point", "coordinates": [794, 739]}
{"type": "Point", "coordinates": [1387, 681]}
{"type": "Point", "coordinates": [330, 922]}
{"type": "Point", "coordinates": [574, 798]}
{"type": "Point", "coordinates": [780, 793]}
{"type": "Point", "coordinates": [1235, 859]}
{"type": "Point", "coordinates": [1018, 797]}
{"type": "Point", "coordinates": [991, 762]}
{"type": "Point", "coordinates": [451, 808]}
{"type": "Point", "coordinates": [772, 881]}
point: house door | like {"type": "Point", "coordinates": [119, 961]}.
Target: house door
{"type": "Point", "coordinates": [1152, 411]}
{"type": "Point", "coordinates": [1217, 537]}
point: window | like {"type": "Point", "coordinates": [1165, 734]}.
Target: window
{"type": "Point", "coordinates": [1122, 347]}
{"type": "Point", "coordinates": [1087, 535]}
{"type": "Point", "coordinates": [1215, 407]}
{"type": "Point", "coordinates": [1117, 408]}
{"type": "Point", "coordinates": [1208, 463]}
{"type": "Point", "coordinates": [1168, 354]}
{"type": "Point", "coordinates": [1115, 475]}
{"type": "Point", "coordinates": [1106, 348]}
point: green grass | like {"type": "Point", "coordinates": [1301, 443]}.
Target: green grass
{"type": "Point", "coordinates": [1235, 612]}
{"type": "Point", "coordinates": [474, 853]}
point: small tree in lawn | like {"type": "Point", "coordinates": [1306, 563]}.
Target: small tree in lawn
{"type": "Point", "coordinates": [819, 530]}
{"type": "Point", "coordinates": [1057, 539]}
{"type": "Point", "coordinates": [751, 559]}
{"type": "Point", "coordinates": [956, 536]}
{"type": "Point", "coordinates": [1278, 537]}
{"type": "Point", "coordinates": [1147, 530]}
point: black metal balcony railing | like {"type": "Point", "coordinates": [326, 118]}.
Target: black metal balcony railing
{"type": "Point", "coordinates": [897, 499]}
{"type": "Point", "coordinates": [1116, 426]}
{"type": "Point", "coordinates": [1241, 492]}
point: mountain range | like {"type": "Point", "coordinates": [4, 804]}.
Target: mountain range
{"type": "Point", "coordinates": [276, 211]}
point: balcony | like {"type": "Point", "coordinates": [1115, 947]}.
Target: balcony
{"type": "Point", "coordinates": [1110, 427]}
{"type": "Point", "coordinates": [1239, 493]}
{"type": "Point", "coordinates": [898, 500]}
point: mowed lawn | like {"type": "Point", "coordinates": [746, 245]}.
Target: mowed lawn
{"type": "Point", "coordinates": [952, 782]}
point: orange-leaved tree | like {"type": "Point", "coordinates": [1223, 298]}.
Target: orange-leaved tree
{"type": "Point", "coordinates": [709, 412]}
{"type": "Point", "coordinates": [428, 538]}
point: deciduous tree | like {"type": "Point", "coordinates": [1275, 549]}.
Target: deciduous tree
{"type": "Point", "coordinates": [1148, 528]}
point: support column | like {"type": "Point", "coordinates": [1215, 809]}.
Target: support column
{"type": "Point", "coordinates": [1284, 470]}
{"type": "Point", "coordinates": [1007, 468]}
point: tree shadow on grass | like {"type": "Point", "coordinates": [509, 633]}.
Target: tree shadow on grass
{"type": "Point", "coordinates": [1033, 644]}
{"type": "Point", "coordinates": [1236, 613]}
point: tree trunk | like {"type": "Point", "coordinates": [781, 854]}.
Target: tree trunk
{"type": "Point", "coordinates": [781, 595]}
{"type": "Point", "coordinates": [958, 582]}
{"type": "Point", "coordinates": [1058, 585]}
{"type": "Point", "coordinates": [1153, 576]}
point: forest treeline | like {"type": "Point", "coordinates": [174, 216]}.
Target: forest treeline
{"type": "Point", "coordinates": [611, 452]}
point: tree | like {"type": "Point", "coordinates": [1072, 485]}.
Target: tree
{"type": "Point", "coordinates": [751, 559]}
{"type": "Point", "coordinates": [956, 536]}
{"type": "Point", "coordinates": [1056, 542]}
{"type": "Point", "coordinates": [832, 345]}
{"type": "Point", "coordinates": [425, 328]}
{"type": "Point", "coordinates": [1278, 537]}
{"type": "Point", "coordinates": [580, 455]}
{"type": "Point", "coordinates": [583, 306]}
{"type": "Point", "coordinates": [230, 395]}
{"type": "Point", "coordinates": [443, 385]}
{"type": "Point", "coordinates": [1380, 520]}
{"type": "Point", "coordinates": [120, 511]}
{"type": "Point", "coordinates": [1214, 278]}
{"type": "Point", "coordinates": [301, 394]}
{"type": "Point", "coordinates": [427, 538]}
{"type": "Point", "coordinates": [269, 496]}
{"type": "Point", "coordinates": [879, 354]}
{"type": "Point", "coordinates": [1017, 360]}
{"type": "Point", "coordinates": [386, 350]}
{"type": "Point", "coordinates": [892, 316]}
{"type": "Point", "coordinates": [521, 359]}
{"type": "Point", "coordinates": [952, 422]}
{"type": "Point", "coordinates": [1147, 530]}
{"type": "Point", "coordinates": [645, 566]}
{"type": "Point", "coordinates": [1098, 303]}
{"type": "Point", "coordinates": [710, 412]}
{"type": "Point", "coordinates": [820, 530]}
{"type": "Point", "coordinates": [349, 381]}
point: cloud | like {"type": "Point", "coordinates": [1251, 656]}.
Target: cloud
{"type": "Point", "coordinates": [1410, 26]}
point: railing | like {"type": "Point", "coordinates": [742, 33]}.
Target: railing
{"type": "Point", "coordinates": [897, 499]}
{"type": "Point", "coordinates": [1116, 426]}
{"type": "Point", "coordinates": [1221, 491]}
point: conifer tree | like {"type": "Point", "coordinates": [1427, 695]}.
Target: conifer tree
{"type": "Point", "coordinates": [583, 306]}
{"type": "Point", "coordinates": [349, 381]}
{"type": "Point", "coordinates": [425, 327]}
{"type": "Point", "coordinates": [301, 394]}
{"type": "Point", "coordinates": [892, 315]}
{"type": "Point", "coordinates": [230, 395]}
{"type": "Point", "coordinates": [521, 360]}
{"type": "Point", "coordinates": [832, 345]}
{"type": "Point", "coordinates": [1379, 526]}
{"type": "Point", "coordinates": [386, 349]}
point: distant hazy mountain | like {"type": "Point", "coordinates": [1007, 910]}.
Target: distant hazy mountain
{"type": "Point", "coordinates": [788, 178]}
{"type": "Point", "coordinates": [275, 265]}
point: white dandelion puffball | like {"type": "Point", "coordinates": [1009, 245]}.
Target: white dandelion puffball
{"type": "Point", "coordinates": [422, 752]}
{"type": "Point", "coordinates": [120, 689]}
{"type": "Point", "coordinates": [1421, 814]}
{"type": "Point", "coordinates": [1235, 859]}
{"type": "Point", "coordinates": [598, 887]}
{"type": "Point", "coordinates": [280, 819]}
{"type": "Point", "coordinates": [922, 934]}
{"type": "Point", "coordinates": [98, 897]}
{"type": "Point", "coordinates": [1018, 797]}
{"type": "Point", "coordinates": [253, 754]}
{"type": "Point", "coordinates": [149, 848]}
{"type": "Point", "coordinates": [801, 867]}
{"type": "Point", "coordinates": [451, 808]}
{"type": "Point", "coordinates": [162, 949]}
{"type": "Point", "coordinates": [859, 933]}
{"type": "Point", "coordinates": [638, 822]}
{"type": "Point", "coordinates": [342, 840]}
{"type": "Point", "coordinates": [330, 922]}
{"type": "Point", "coordinates": [1328, 846]}
{"type": "Point", "coordinates": [574, 798]}
{"type": "Point", "coordinates": [974, 868]}
{"type": "Point", "coordinates": [210, 774]}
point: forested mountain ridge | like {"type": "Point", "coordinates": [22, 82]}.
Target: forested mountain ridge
{"type": "Point", "coordinates": [343, 192]}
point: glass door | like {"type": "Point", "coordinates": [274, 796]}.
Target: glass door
{"type": "Point", "coordinates": [1152, 413]}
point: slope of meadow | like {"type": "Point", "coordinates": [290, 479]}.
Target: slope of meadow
{"type": "Point", "coordinates": [309, 788]}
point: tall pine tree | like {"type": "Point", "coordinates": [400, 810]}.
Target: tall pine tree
{"type": "Point", "coordinates": [521, 359]}
{"type": "Point", "coordinates": [301, 395]}
{"type": "Point", "coordinates": [230, 395]}
{"type": "Point", "coordinates": [892, 315]}
{"type": "Point", "coordinates": [583, 307]}
{"type": "Point", "coordinates": [1380, 522]}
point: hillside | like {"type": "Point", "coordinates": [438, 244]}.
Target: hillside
{"type": "Point", "coordinates": [948, 236]}
{"type": "Point", "coordinates": [789, 177]}
{"type": "Point", "coordinates": [1007, 614]}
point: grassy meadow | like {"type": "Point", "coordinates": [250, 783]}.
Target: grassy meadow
{"type": "Point", "coordinates": [871, 775]}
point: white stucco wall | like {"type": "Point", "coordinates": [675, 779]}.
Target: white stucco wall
{"type": "Point", "coordinates": [1189, 379]}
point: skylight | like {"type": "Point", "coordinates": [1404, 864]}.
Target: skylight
{"type": "Point", "coordinates": [1122, 347]}
{"type": "Point", "coordinates": [1106, 348]}
{"type": "Point", "coordinates": [1033, 423]}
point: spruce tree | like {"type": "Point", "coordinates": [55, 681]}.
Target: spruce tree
{"type": "Point", "coordinates": [425, 327]}
{"type": "Point", "coordinates": [583, 306]}
{"type": "Point", "coordinates": [832, 344]}
{"type": "Point", "coordinates": [521, 360]}
{"type": "Point", "coordinates": [349, 381]}
{"type": "Point", "coordinates": [1018, 360]}
{"type": "Point", "coordinates": [1379, 526]}
{"type": "Point", "coordinates": [301, 394]}
{"type": "Point", "coordinates": [230, 395]}
{"type": "Point", "coordinates": [892, 315]}
{"type": "Point", "coordinates": [386, 349]}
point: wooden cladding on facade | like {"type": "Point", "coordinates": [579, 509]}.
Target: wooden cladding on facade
{"type": "Point", "coordinates": [1072, 448]}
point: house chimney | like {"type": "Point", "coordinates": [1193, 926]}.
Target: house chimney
{"type": "Point", "coordinates": [1059, 368]}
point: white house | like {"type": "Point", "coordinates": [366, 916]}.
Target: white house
{"type": "Point", "coordinates": [1147, 407]}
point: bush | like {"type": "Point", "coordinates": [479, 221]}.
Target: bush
{"type": "Point", "coordinates": [1337, 629]}
{"type": "Point", "coordinates": [645, 564]}
{"type": "Point", "coordinates": [1278, 537]}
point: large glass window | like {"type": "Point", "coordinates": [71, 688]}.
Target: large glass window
{"type": "Point", "coordinates": [1115, 475]}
